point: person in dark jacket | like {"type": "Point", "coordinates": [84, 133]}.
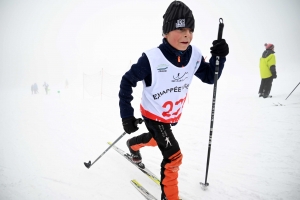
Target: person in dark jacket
{"type": "Point", "coordinates": [267, 66]}
{"type": "Point", "coordinates": [166, 72]}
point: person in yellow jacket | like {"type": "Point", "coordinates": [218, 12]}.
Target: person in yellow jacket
{"type": "Point", "coordinates": [268, 72]}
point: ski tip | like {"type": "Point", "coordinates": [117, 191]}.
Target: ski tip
{"type": "Point", "coordinates": [142, 190]}
{"type": "Point", "coordinates": [135, 182]}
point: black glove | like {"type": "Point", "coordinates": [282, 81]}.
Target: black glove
{"type": "Point", "coordinates": [273, 71]}
{"type": "Point", "coordinates": [219, 48]}
{"type": "Point", "coordinates": [130, 124]}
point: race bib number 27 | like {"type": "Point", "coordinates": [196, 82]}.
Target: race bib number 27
{"type": "Point", "coordinates": [173, 109]}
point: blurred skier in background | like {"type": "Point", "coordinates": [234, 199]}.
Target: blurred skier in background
{"type": "Point", "coordinates": [46, 86]}
{"type": "Point", "coordinates": [66, 83]}
{"type": "Point", "coordinates": [32, 89]}
{"type": "Point", "coordinates": [36, 89]}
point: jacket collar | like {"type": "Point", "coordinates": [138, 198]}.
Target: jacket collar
{"type": "Point", "coordinates": [172, 50]}
{"type": "Point", "coordinates": [267, 52]}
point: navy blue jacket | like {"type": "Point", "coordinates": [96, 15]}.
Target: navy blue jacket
{"type": "Point", "coordinates": [142, 71]}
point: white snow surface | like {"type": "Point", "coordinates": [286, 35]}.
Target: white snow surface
{"type": "Point", "coordinates": [45, 139]}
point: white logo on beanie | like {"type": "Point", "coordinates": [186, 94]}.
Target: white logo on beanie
{"type": "Point", "coordinates": [180, 23]}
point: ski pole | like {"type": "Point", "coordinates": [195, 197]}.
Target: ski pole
{"type": "Point", "coordinates": [89, 164]}
{"type": "Point", "coordinates": [292, 91]}
{"type": "Point", "coordinates": [220, 32]}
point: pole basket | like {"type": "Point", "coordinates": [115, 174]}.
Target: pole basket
{"type": "Point", "coordinates": [204, 185]}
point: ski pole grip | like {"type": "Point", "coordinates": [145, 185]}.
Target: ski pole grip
{"type": "Point", "coordinates": [138, 121]}
{"type": "Point", "coordinates": [221, 26]}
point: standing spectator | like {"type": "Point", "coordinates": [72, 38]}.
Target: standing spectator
{"type": "Point", "coordinates": [267, 70]}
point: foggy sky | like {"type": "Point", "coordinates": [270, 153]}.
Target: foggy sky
{"type": "Point", "coordinates": [58, 40]}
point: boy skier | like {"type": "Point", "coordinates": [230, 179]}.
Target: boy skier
{"type": "Point", "coordinates": [166, 72]}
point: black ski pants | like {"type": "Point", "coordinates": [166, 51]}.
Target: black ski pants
{"type": "Point", "coordinates": [265, 86]}
{"type": "Point", "coordinates": [161, 135]}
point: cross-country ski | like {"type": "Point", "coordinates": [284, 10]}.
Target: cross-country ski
{"type": "Point", "coordinates": [142, 190]}
{"type": "Point", "coordinates": [145, 170]}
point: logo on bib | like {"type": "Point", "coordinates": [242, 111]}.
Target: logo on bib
{"type": "Point", "coordinates": [180, 78]}
{"type": "Point", "coordinates": [162, 68]}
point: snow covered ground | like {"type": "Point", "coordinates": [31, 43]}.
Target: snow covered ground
{"type": "Point", "coordinates": [45, 139]}
{"type": "Point", "coordinates": [255, 148]}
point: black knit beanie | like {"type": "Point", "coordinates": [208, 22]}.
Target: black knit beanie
{"type": "Point", "coordinates": [178, 15]}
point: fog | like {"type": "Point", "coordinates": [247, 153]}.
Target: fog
{"type": "Point", "coordinates": [55, 41]}
{"type": "Point", "coordinates": [46, 138]}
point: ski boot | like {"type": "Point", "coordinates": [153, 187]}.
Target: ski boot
{"type": "Point", "coordinates": [135, 156]}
